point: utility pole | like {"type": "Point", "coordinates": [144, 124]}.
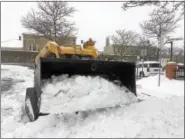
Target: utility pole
{"type": "Point", "coordinates": [171, 54]}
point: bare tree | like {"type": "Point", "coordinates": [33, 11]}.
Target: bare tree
{"type": "Point", "coordinates": [178, 51]}
{"type": "Point", "coordinates": [122, 39]}
{"type": "Point", "coordinates": [178, 54]}
{"type": "Point", "coordinates": [165, 51]}
{"type": "Point", "coordinates": [145, 43]}
{"type": "Point", "coordinates": [161, 4]}
{"type": "Point", "coordinates": [161, 23]}
{"type": "Point", "coordinates": [51, 20]}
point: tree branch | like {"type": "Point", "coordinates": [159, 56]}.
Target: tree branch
{"type": "Point", "coordinates": [50, 19]}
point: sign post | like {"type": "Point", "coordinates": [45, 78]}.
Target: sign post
{"type": "Point", "coordinates": [160, 45]}
{"type": "Point", "coordinates": [142, 64]}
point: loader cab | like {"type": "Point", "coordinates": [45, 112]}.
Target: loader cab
{"type": "Point", "coordinates": [89, 44]}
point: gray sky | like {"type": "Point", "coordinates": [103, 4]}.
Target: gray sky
{"type": "Point", "coordinates": [93, 19]}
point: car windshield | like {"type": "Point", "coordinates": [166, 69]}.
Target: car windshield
{"type": "Point", "coordinates": [155, 65]}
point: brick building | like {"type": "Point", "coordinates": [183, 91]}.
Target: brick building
{"type": "Point", "coordinates": [32, 42]}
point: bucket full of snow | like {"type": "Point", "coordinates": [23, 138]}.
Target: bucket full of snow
{"type": "Point", "coordinates": [70, 85]}
{"type": "Point", "coordinates": [81, 93]}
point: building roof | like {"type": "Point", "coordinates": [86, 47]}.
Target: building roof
{"type": "Point", "coordinates": [125, 45]}
{"type": "Point", "coordinates": [149, 62]}
{"type": "Point", "coordinates": [12, 44]}
{"type": "Point", "coordinates": [118, 45]}
{"type": "Point", "coordinates": [41, 35]}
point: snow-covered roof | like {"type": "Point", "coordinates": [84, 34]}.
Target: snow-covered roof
{"type": "Point", "coordinates": [149, 62]}
{"type": "Point", "coordinates": [180, 64]}
{"type": "Point", "coordinates": [171, 62]}
{"type": "Point", "coordinates": [12, 44]}
{"type": "Point", "coordinates": [41, 35]}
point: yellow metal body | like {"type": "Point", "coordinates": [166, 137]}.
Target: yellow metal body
{"type": "Point", "coordinates": [51, 47]}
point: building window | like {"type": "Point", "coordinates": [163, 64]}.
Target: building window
{"type": "Point", "coordinates": [31, 47]}
{"type": "Point", "coordinates": [133, 51]}
{"type": "Point", "coordinates": [37, 47]}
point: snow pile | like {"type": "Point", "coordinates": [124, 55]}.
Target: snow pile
{"type": "Point", "coordinates": [65, 94]}
{"type": "Point", "coordinates": [167, 87]}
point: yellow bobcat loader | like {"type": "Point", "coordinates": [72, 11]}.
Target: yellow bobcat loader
{"type": "Point", "coordinates": [57, 60]}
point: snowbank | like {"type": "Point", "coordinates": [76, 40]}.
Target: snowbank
{"type": "Point", "coordinates": [65, 94]}
{"type": "Point", "coordinates": [168, 88]}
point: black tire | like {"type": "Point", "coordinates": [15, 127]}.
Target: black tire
{"type": "Point", "coordinates": [141, 74]}
{"type": "Point", "coordinates": [31, 106]}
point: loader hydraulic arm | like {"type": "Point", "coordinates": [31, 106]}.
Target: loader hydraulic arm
{"type": "Point", "coordinates": [48, 49]}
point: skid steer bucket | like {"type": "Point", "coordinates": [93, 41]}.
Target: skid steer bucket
{"type": "Point", "coordinates": [124, 72]}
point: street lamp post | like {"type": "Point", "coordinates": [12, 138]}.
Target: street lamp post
{"type": "Point", "coordinates": [171, 54]}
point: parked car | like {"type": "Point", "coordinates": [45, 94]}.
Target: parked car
{"type": "Point", "coordinates": [148, 68]}
{"type": "Point", "coordinates": [180, 70]}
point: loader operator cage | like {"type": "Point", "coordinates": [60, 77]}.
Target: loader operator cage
{"type": "Point", "coordinates": [110, 70]}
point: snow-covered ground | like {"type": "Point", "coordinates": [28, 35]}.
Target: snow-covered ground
{"type": "Point", "coordinates": [160, 114]}
{"type": "Point", "coordinates": [167, 87]}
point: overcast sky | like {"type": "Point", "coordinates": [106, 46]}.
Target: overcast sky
{"type": "Point", "coordinates": [93, 19]}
